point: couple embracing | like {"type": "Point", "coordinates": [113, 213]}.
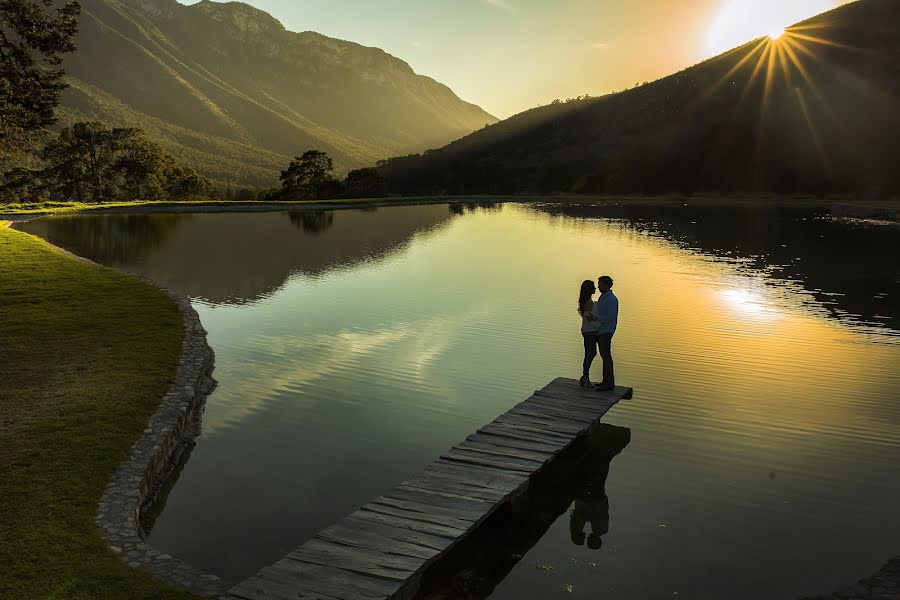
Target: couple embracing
{"type": "Point", "coordinates": [598, 325]}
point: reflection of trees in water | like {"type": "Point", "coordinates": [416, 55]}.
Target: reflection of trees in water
{"type": "Point", "coordinates": [850, 268]}
{"type": "Point", "coordinates": [312, 221]}
{"type": "Point", "coordinates": [236, 257]}
{"type": "Point", "coordinates": [576, 479]}
{"type": "Point", "coordinates": [459, 208]}
{"type": "Point", "coordinates": [108, 239]}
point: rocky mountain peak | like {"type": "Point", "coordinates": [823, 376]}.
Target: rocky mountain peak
{"type": "Point", "coordinates": [240, 16]}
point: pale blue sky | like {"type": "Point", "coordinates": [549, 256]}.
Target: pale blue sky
{"type": "Point", "coordinates": [511, 55]}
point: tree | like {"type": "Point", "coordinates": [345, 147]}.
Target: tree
{"type": "Point", "coordinates": [81, 162]}
{"type": "Point", "coordinates": [143, 166]}
{"type": "Point", "coordinates": [34, 34]}
{"type": "Point", "coordinates": [364, 183]}
{"type": "Point", "coordinates": [308, 176]}
{"type": "Point", "coordinates": [21, 184]}
{"type": "Point", "coordinates": [183, 183]}
{"type": "Point", "coordinates": [90, 162]}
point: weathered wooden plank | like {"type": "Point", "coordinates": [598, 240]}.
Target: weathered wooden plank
{"type": "Point", "coordinates": [346, 533]}
{"type": "Point", "coordinates": [453, 488]}
{"type": "Point", "coordinates": [565, 399]}
{"type": "Point", "coordinates": [472, 458]}
{"type": "Point", "coordinates": [526, 433]}
{"type": "Point", "coordinates": [574, 391]}
{"type": "Point", "coordinates": [596, 407]}
{"type": "Point", "coordinates": [515, 442]}
{"type": "Point", "coordinates": [258, 588]}
{"type": "Point", "coordinates": [289, 580]}
{"type": "Point", "coordinates": [451, 533]}
{"type": "Point", "coordinates": [540, 424]}
{"type": "Point", "coordinates": [431, 509]}
{"type": "Point", "coordinates": [434, 498]}
{"type": "Point", "coordinates": [571, 388]}
{"type": "Point", "coordinates": [355, 559]}
{"type": "Point", "coordinates": [552, 406]}
{"type": "Point", "coordinates": [412, 515]}
{"type": "Point", "coordinates": [499, 479]}
{"type": "Point", "coordinates": [532, 431]}
{"type": "Point", "coordinates": [516, 465]}
{"type": "Point", "coordinates": [504, 451]}
{"type": "Point", "coordinates": [542, 417]}
{"type": "Point", "coordinates": [400, 534]}
{"type": "Point", "coordinates": [309, 580]}
{"type": "Point", "coordinates": [533, 411]}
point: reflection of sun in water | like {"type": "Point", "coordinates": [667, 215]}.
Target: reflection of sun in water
{"type": "Point", "coordinates": [740, 21]}
{"type": "Point", "coordinates": [749, 304]}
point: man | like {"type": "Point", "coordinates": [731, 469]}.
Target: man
{"type": "Point", "coordinates": [606, 309]}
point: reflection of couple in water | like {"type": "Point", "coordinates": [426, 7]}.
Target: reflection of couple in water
{"type": "Point", "coordinates": [598, 326]}
{"type": "Point", "coordinates": [591, 505]}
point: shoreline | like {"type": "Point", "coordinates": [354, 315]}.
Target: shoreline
{"type": "Point", "coordinates": [875, 210]}
{"type": "Point", "coordinates": [169, 434]}
{"type": "Point", "coordinates": [152, 459]}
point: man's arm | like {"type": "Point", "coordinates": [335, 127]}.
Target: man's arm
{"type": "Point", "coordinates": [601, 311]}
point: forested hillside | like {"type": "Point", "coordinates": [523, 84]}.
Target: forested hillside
{"type": "Point", "coordinates": [815, 111]}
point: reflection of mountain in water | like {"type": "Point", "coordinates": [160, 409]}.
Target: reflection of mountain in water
{"type": "Point", "coordinates": [238, 257]}
{"type": "Point", "coordinates": [577, 479]}
{"type": "Point", "coordinates": [850, 268]}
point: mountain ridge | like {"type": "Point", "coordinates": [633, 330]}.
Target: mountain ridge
{"type": "Point", "coordinates": [810, 112]}
{"type": "Point", "coordinates": [200, 77]}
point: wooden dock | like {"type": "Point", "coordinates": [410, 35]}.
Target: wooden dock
{"type": "Point", "coordinates": [382, 550]}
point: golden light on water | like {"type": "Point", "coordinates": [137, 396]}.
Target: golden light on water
{"type": "Point", "coordinates": [749, 304]}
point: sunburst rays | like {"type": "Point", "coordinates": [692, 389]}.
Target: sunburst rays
{"type": "Point", "coordinates": [775, 63]}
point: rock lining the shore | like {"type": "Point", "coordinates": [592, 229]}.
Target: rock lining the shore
{"type": "Point", "coordinates": [170, 432]}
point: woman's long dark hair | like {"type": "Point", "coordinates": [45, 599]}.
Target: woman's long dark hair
{"type": "Point", "coordinates": [587, 290]}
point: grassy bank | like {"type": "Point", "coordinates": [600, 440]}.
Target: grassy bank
{"type": "Point", "coordinates": [86, 354]}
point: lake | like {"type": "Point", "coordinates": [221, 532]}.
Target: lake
{"type": "Point", "coordinates": [355, 346]}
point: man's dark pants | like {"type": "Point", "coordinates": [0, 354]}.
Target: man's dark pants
{"type": "Point", "coordinates": [604, 343]}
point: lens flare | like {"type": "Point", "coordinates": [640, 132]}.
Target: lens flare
{"type": "Point", "coordinates": [740, 21]}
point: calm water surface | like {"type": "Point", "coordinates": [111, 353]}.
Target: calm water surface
{"type": "Point", "coordinates": [353, 347]}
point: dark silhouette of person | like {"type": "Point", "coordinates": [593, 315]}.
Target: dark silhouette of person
{"type": "Point", "coordinates": [606, 309]}
{"type": "Point", "coordinates": [590, 326]}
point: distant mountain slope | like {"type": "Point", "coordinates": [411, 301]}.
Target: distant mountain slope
{"type": "Point", "coordinates": [227, 88]}
{"type": "Point", "coordinates": [816, 111]}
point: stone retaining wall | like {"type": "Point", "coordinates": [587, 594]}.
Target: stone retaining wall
{"type": "Point", "coordinates": [151, 459]}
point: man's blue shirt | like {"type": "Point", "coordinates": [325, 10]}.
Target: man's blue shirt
{"type": "Point", "coordinates": [607, 310]}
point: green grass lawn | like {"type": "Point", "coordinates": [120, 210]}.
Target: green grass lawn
{"type": "Point", "coordinates": [86, 354]}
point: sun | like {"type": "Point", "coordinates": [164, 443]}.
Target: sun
{"type": "Point", "coordinates": [740, 21]}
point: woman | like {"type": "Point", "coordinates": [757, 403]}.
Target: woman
{"type": "Point", "coordinates": [590, 325]}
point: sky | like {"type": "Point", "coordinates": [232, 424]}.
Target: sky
{"type": "Point", "coordinates": [511, 55]}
